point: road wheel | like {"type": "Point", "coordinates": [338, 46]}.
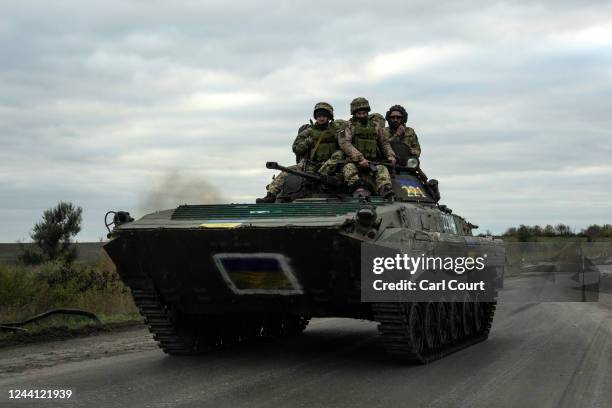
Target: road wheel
{"type": "Point", "coordinates": [467, 315]}
{"type": "Point", "coordinates": [479, 313]}
{"type": "Point", "coordinates": [444, 322]}
{"type": "Point", "coordinates": [430, 325]}
{"type": "Point", "coordinates": [415, 327]}
{"type": "Point", "coordinates": [455, 327]}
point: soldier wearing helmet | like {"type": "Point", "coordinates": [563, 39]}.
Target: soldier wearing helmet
{"type": "Point", "coordinates": [318, 141]}
{"type": "Point", "coordinates": [363, 140]}
{"type": "Point", "coordinates": [315, 147]}
{"type": "Point", "coordinates": [397, 131]}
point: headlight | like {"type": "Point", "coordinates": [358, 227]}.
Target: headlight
{"type": "Point", "coordinates": [412, 163]}
{"type": "Point", "coordinates": [366, 216]}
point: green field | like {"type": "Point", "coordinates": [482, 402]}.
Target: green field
{"type": "Point", "coordinates": [88, 252]}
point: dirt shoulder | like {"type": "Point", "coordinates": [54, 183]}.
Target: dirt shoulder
{"type": "Point", "coordinates": [61, 332]}
{"type": "Point", "coordinates": [95, 344]}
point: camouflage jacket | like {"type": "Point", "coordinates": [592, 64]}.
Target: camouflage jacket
{"type": "Point", "coordinates": [306, 140]}
{"type": "Point", "coordinates": [408, 136]}
{"type": "Point", "coordinates": [345, 141]}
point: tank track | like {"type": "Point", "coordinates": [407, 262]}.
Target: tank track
{"type": "Point", "coordinates": [177, 335]}
{"type": "Point", "coordinates": [158, 319]}
{"type": "Point", "coordinates": [420, 333]}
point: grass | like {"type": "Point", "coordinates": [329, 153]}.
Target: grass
{"type": "Point", "coordinates": [26, 291]}
{"type": "Point", "coordinates": [88, 252]}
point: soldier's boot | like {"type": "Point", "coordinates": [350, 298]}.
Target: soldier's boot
{"type": "Point", "coordinates": [269, 198]}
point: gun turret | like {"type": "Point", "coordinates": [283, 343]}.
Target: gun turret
{"type": "Point", "coordinates": [317, 178]}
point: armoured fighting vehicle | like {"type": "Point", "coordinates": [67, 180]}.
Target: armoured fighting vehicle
{"type": "Point", "coordinates": [205, 276]}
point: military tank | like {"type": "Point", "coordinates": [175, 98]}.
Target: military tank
{"type": "Point", "coordinates": [207, 276]}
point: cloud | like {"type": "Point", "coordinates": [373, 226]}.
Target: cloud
{"type": "Point", "coordinates": [411, 60]}
{"type": "Point", "coordinates": [222, 100]}
{"type": "Point", "coordinates": [511, 100]}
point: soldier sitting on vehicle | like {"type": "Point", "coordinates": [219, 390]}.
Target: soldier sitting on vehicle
{"type": "Point", "coordinates": [316, 149]}
{"type": "Point", "coordinates": [361, 141]}
{"type": "Point", "coordinates": [397, 131]}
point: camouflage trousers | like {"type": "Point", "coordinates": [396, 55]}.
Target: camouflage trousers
{"type": "Point", "coordinates": [382, 178]}
{"type": "Point", "coordinates": [329, 167]}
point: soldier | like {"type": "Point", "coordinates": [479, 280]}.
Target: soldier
{"type": "Point", "coordinates": [363, 140]}
{"type": "Point", "coordinates": [315, 147]}
{"type": "Point", "coordinates": [397, 131]}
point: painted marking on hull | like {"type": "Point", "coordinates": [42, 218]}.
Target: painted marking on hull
{"type": "Point", "coordinates": [220, 224]}
{"type": "Point", "coordinates": [258, 273]}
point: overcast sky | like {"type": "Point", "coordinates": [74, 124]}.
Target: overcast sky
{"type": "Point", "coordinates": [135, 105]}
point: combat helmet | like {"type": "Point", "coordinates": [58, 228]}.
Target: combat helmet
{"type": "Point", "coordinates": [324, 106]}
{"type": "Point", "coordinates": [400, 109]}
{"type": "Point", "coordinates": [359, 104]}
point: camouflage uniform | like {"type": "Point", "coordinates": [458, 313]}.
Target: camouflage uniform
{"type": "Point", "coordinates": [377, 119]}
{"type": "Point", "coordinates": [316, 148]}
{"type": "Point", "coordinates": [403, 133]}
{"type": "Point", "coordinates": [407, 136]}
{"type": "Point", "coordinates": [359, 141]}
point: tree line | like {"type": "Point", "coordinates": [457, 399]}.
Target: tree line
{"type": "Point", "coordinates": [527, 232]}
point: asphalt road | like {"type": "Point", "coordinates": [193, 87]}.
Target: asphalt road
{"type": "Point", "coordinates": [538, 355]}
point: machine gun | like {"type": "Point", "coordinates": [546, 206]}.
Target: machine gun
{"type": "Point", "coordinates": [326, 180]}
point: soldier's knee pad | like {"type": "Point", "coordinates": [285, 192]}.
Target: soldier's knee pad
{"type": "Point", "coordinates": [350, 168]}
{"type": "Point", "coordinates": [381, 169]}
{"type": "Point", "coordinates": [350, 172]}
{"type": "Point", "coordinates": [350, 178]}
{"type": "Point", "coordinates": [337, 155]}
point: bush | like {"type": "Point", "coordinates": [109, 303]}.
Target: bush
{"type": "Point", "coordinates": [53, 235]}
{"type": "Point", "coordinates": [26, 290]}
